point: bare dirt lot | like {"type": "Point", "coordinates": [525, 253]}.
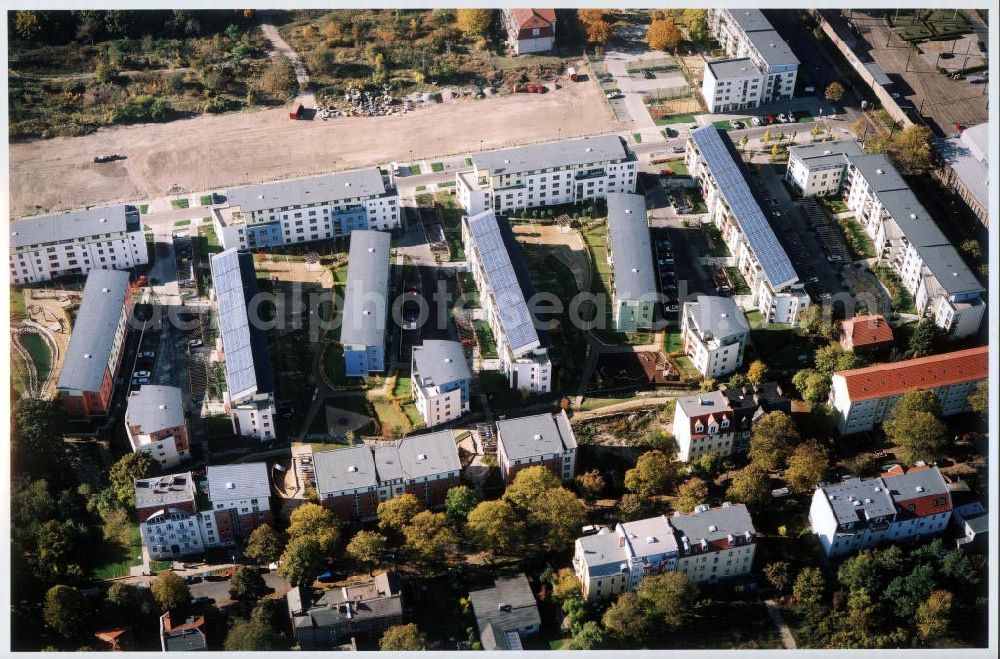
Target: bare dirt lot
{"type": "Point", "coordinates": [211, 152]}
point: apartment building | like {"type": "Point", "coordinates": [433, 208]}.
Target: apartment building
{"type": "Point", "coordinates": [732, 84]}
{"type": "Point", "coordinates": [307, 209]}
{"type": "Point", "coordinates": [505, 613]}
{"type": "Point", "coordinates": [906, 238]}
{"type": "Point", "coordinates": [966, 167]}
{"type": "Point", "coordinates": [242, 345]}
{"type": "Point", "coordinates": [863, 397]}
{"type": "Point", "coordinates": [901, 505]}
{"type": "Point", "coordinates": [714, 333]}
{"type": "Point", "coordinates": [775, 288]}
{"type": "Point", "coordinates": [240, 501]}
{"type": "Point", "coordinates": [47, 247]}
{"type": "Point", "coordinates": [633, 281]}
{"type": "Point", "coordinates": [324, 619]}
{"type": "Point", "coordinates": [746, 34]}
{"type": "Point", "coordinates": [708, 545]}
{"type": "Point", "coordinates": [529, 30]}
{"type": "Point", "coordinates": [867, 335]}
{"type": "Point", "coordinates": [440, 379]}
{"type": "Point", "coordinates": [94, 356]}
{"type": "Point", "coordinates": [540, 439]}
{"type": "Point", "coordinates": [362, 330]}
{"type": "Point", "coordinates": [167, 512]}
{"type": "Point", "coordinates": [565, 172]}
{"type": "Point", "coordinates": [504, 286]}
{"type": "Point", "coordinates": [155, 424]}
{"type": "Point", "coordinates": [353, 481]}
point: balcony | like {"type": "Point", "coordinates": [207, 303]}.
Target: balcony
{"type": "Point", "coordinates": [589, 173]}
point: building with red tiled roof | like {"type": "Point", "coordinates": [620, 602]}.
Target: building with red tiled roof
{"type": "Point", "coordinates": [866, 334]}
{"type": "Point", "coordinates": [186, 637]}
{"type": "Point", "coordinates": [530, 30]}
{"type": "Point", "coordinates": [863, 397]}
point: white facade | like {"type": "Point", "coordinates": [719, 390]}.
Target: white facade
{"type": "Point", "coordinates": [163, 451]}
{"type": "Point", "coordinates": [253, 417]}
{"type": "Point", "coordinates": [714, 333]}
{"type": "Point", "coordinates": [745, 33]}
{"type": "Point", "coordinates": [172, 533]}
{"type": "Point", "coordinates": [440, 381]}
{"type": "Point", "coordinates": [732, 85]}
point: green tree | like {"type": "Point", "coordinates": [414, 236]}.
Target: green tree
{"type": "Point", "coordinates": [494, 525]}
{"type": "Point", "coordinates": [832, 358]}
{"type": "Point", "coordinates": [265, 545]}
{"type": "Point", "coordinates": [394, 514]}
{"type": "Point", "coordinates": [170, 591]}
{"type": "Point", "coordinates": [590, 484]}
{"type": "Point", "coordinates": [925, 338]}
{"type": "Point", "coordinates": [912, 148]}
{"type": "Point", "coordinates": [707, 384]}
{"type": "Point", "coordinates": [751, 486]}
{"type": "Point", "coordinates": [663, 35]}
{"type": "Point", "coordinates": [806, 467]}
{"type": "Point", "coordinates": [130, 468]}
{"type": "Point", "coordinates": [302, 560]}
{"type": "Point", "coordinates": [979, 399]}
{"type": "Point", "coordinates": [250, 635]}
{"type": "Point", "coordinates": [30, 502]}
{"type": "Point", "coordinates": [834, 91]}
{"type": "Point", "coordinates": [626, 618]}
{"type": "Point", "coordinates": [772, 439]}
{"type": "Point", "coordinates": [402, 638]}
{"type": "Point", "coordinates": [631, 507]}
{"type": "Point", "coordinates": [668, 598]}
{"type": "Point", "coordinates": [27, 25]}
{"type": "Point", "coordinates": [778, 574]}
{"type": "Point", "coordinates": [651, 475]}
{"type": "Point", "coordinates": [56, 546]}
{"type": "Point", "coordinates": [459, 502]}
{"type": "Point", "coordinates": [565, 585]}
{"type": "Point", "coordinates": [106, 73]}
{"type": "Point", "coordinates": [590, 637]}
{"type": "Point", "coordinates": [813, 386]}
{"type": "Point", "coordinates": [247, 585]}
{"type": "Point", "coordinates": [126, 601]}
{"type": "Point", "coordinates": [971, 248]}
{"type": "Point", "coordinates": [816, 320]}
{"type": "Point", "coordinates": [67, 612]}
{"type": "Point", "coordinates": [809, 586]}
{"type": "Point", "coordinates": [598, 32]}
{"type": "Point", "coordinates": [315, 521]}
{"type": "Point", "coordinates": [559, 515]}
{"type": "Point", "coordinates": [757, 372]}
{"type": "Point", "coordinates": [429, 535]}
{"type": "Point", "coordinates": [530, 484]}
{"type": "Point", "coordinates": [695, 20]}
{"type": "Point", "coordinates": [36, 437]}
{"type": "Point", "coordinates": [474, 22]}
{"type": "Point", "coordinates": [914, 427]}
{"type": "Point", "coordinates": [691, 492]}
{"type": "Point", "coordinates": [707, 466]}
{"type": "Point", "coordinates": [933, 616]}
{"type": "Point", "coordinates": [367, 549]}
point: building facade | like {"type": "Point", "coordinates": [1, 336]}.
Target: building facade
{"type": "Point", "coordinates": [900, 505]}
{"type": "Point", "coordinates": [325, 619]}
{"type": "Point", "coordinates": [630, 255]}
{"type": "Point", "coordinates": [529, 30]}
{"type": "Point", "coordinates": [94, 357]}
{"type": "Point", "coordinates": [307, 209]}
{"type": "Point", "coordinates": [732, 84]}
{"type": "Point", "coordinates": [966, 167]}
{"type": "Point", "coordinates": [565, 172]}
{"type": "Point", "coordinates": [440, 379]}
{"type": "Point", "coordinates": [541, 439]}
{"type": "Point", "coordinates": [862, 398]}
{"type": "Point", "coordinates": [47, 247]}
{"type": "Point", "coordinates": [155, 424]}
{"type": "Point", "coordinates": [362, 332]}
{"type": "Point", "coordinates": [714, 333]}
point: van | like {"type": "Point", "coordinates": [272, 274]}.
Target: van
{"type": "Point", "coordinates": [780, 493]}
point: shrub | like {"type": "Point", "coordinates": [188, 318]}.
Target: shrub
{"type": "Point", "coordinates": [141, 108]}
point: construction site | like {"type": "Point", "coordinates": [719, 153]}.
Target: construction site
{"type": "Point", "coordinates": [40, 338]}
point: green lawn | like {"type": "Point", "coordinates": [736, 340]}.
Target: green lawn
{"type": "Point", "coordinates": [180, 203]}
{"type": "Point", "coordinates": [902, 301]}
{"type": "Point", "coordinates": [119, 561]}
{"type": "Point", "coordinates": [421, 188]}
{"type": "Point", "coordinates": [468, 162]}
{"type": "Point", "coordinates": [676, 119]}
{"type": "Point", "coordinates": [715, 242]}
{"type": "Point", "coordinates": [403, 388]}
{"type": "Point", "coordinates": [414, 169]}
{"type": "Point", "coordinates": [206, 200]}
{"type": "Point", "coordinates": [637, 137]}
{"type": "Point", "coordinates": [18, 308]}
{"type": "Point", "coordinates": [437, 166]}
{"type": "Point", "coordinates": [179, 224]}
{"type": "Point", "coordinates": [143, 209]}
{"type": "Point", "coordinates": [687, 369]}
{"type": "Point", "coordinates": [806, 119]}
{"type": "Point", "coordinates": [739, 283]}
{"type": "Point", "coordinates": [447, 184]}
{"type": "Point", "coordinates": [487, 344]}
{"type": "Point", "coordinates": [388, 416]}
{"type": "Point", "coordinates": [212, 243]}
{"type": "Point", "coordinates": [857, 240]}
{"type": "Point", "coordinates": [159, 566]}
{"type": "Point", "coordinates": [779, 345]}
{"type": "Point", "coordinates": [678, 168]}
{"type": "Point", "coordinates": [672, 341]}
{"type": "Point", "coordinates": [412, 415]}
{"type": "Point", "coordinates": [333, 364]}
{"type": "Point", "coordinates": [724, 124]}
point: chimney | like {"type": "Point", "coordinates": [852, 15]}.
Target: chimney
{"type": "Point", "coordinates": [621, 541]}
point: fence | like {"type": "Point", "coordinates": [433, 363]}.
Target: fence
{"type": "Point", "coordinates": [665, 63]}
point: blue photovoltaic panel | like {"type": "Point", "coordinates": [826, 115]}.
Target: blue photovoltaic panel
{"type": "Point", "coordinates": [234, 326]}
{"type": "Point", "coordinates": [777, 268]}
{"type": "Point", "coordinates": [511, 305]}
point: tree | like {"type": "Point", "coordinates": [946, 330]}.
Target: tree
{"type": "Point", "coordinates": [692, 492]}
{"type": "Point", "coordinates": [757, 372]}
{"type": "Point", "coordinates": [971, 248]}
{"type": "Point", "coordinates": [626, 618]}
{"type": "Point", "coordinates": [565, 585]}
{"type": "Point", "coordinates": [315, 521]}
{"type": "Point", "coordinates": [247, 585]}
{"type": "Point", "coordinates": [663, 35]}
{"type": "Point", "coordinates": [651, 475]}
{"type": "Point", "coordinates": [834, 91]}
{"type": "Point", "coordinates": [248, 635]}
{"type": "Point", "coordinates": [979, 399]}
{"type": "Point", "coordinates": [559, 515]}
{"type": "Point", "coordinates": [129, 468]}
{"type": "Point", "coordinates": [925, 338]}
{"type": "Point", "coordinates": [695, 20]}
{"type": "Point", "coordinates": [912, 148]}
{"type": "Point", "coordinates": [706, 466]}
{"type": "Point", "coordinates": [806, 467]}
{"type": "Point", "coordinates": [367, 548]}
{"type": "Point", "coordinates": [474, 22]}
{"type": "Point", "coordinates": [778, 575]}
{"type": "Point", "coordinates": [67, 611]}
{"type": "Point", "coordinates": [816, 320]}
{"type": "Point", "coordinates": [265, 544]}
{"type": "Point", "coordinates": [429, 535]}
{"type": "Point", "coordinates": [27, 25]}
{"type": "Point", "coordinates": [775, 151]}
{"type": "Point", "coordinates": [590, 484]}
{"type": "Point", "coordinates": [494, 525]}
{"type": "Point", "coordinates": [832, 358]}
{"type": "Point", "coordinates": [590, 637]}
{"type": "Point", "coordinates": [631, 507]}
{"type": "Point", "coordinates": [813, 386]}
{"type": "Point", "coordinates": [913, 426]}
{"type": "Point", "coordinates": [106, 73]}
{"type": "Point", "coordinates": [707, 384]}
{"type": "Point", "coordinates": [127, 600]}
{"type": "Point", "coordinates": [170, 591]}
{"type": "Point", "coordinates": [669, 598]}
{"type": "Point", "coordinates": [302, 561]}
{"type": "Point", "coordinates": [809, 586]}
{"type": "Point", "coordinates": [772, 439]}
{"type": "Point", "coordinates": [588, 16]}
{"type": "Point", "coordinates": [36, 436]}
{"type": "Point", "coordinates": [751, 486]}
{"type": "Point", "coordinates": [459, 502]}
{"type": "Point", "coordinates": [279, 79]}
{"type": "Point", "coordinates": [530, 484]}
{"type": "Point", "coordinates": [598, 32]}
{"type": "Point", "coordinates": [394, 514]}
{"type": "Point", "coordinates": [933, 616]}
{"type": "Point", "coordinates": [402, 638]}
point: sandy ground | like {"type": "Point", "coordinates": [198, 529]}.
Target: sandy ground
{"type": "Point", "coordinates": [46, 307]}
{"type": "Point", "coordinates": [210, 152]}
{"type": "Point", "coordinates": [566, 246]}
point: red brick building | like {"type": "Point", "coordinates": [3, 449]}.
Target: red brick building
{"type": "Point", "coordinates": [866, 334]}
{"type": "Point", "coordinates": [541, 439]}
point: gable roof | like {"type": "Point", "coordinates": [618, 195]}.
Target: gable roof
{"type": "Point", "coordinates": [713, 525]}
{"type": "Point", "coordinates": [442, 362]}
{"type": "Point", "coordinates": [154, 408]}
{"type": "Point", "coordinates": [533, 17]}
{"type": "Point", "coordinates": [513, 591]}
{"type": "Point", "coordinates": [310, 190]}
{"type": "Point", "coordinates": [920, 486]}
{"type": "Point", "coordinates": [867, 330]}
{"type": "Point", "coordinates": [628, 237]}
{"type": "Point", "coordinates": [539, 434]}
{"type": "Point", "coordinates": [427, 455]}
{"type": "Point", "coordinates": [71, 225]}
{"type": "Point", "coordinates": [249, 481]}
{"type": "Point", "coordinates": [925, 372]}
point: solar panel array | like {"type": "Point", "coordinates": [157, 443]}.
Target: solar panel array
{"type": "Point", "coordinates": [512, 308]}
{"type": "Point", "coordinates": [234, 324]}
{"type": "Point", "coordinates": [733, 186]}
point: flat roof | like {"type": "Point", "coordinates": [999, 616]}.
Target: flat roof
{"type": "Point", "coordinates": [714, 524]}
{"type": "Point", "coordinates": [725, 69]}
{"type": "Point", "coordinates": [427, 455]}
{"type": "Point", "coordinates": [749, 20]}
{"type": "Point", "coordinates": [310, 190]}
{"type": "Point", "coordinates": [949, 269]}
{"type": "Point", "coordinates": [351, 468]}
{"type": "Point", "coordinates": [238, 481]}
{"type": "Point", "coordinates": [162, 491]}
{"type": "Point", "coordinates": [603, 553]}
{"type": "Point", "coordinates": [155, 407]}
{"type": "Point", "coordinates": [717, 317]}
{"type": "Point", "coordinates": [878, 75]}
{"type": "Point", "coordinates": [441, 362]}
{"type": "Point", "coordinates": [859, 499]}
{"type": "Point", "coordinates": [826, 153]}
{"type": "Point", "coordinates": [628, 237]}
{"type": "Point", "coordinates": [772, 48]}
{"type": "Point", "coordinates": [93, 335]}
{"type": "Point", "coordinates": [709, 402]}
{"type": "Point", "coordinates": [366, 299]}
{"type": "Point", "coordinates": [753, 224]}
{"type": "Point", "coordinates": [539, 434]}
{"type": "Point", "coordinates": [966, 155]}
{"type": "Point", "coordinates": [581, 151]}
{"type": "Point", "coordinates": [71, 225]}
{"type": "Point", "coordinates": [650, 536]}
{"type": "Point", "coordinates": [878, 172]}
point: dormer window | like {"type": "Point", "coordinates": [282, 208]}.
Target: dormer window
{"type": "Point", "coordinates": [725, 422]}
{"type": "Point", "coordinates": [699, 427]}
{"type": "Point", "coordinates": [713, 428]}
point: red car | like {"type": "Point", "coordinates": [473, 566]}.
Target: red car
{"type": "Point", "coordinates": [769, 119]}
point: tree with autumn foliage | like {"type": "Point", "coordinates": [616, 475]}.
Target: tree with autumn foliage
{"type": "Point", "coordinates": [663, 35]}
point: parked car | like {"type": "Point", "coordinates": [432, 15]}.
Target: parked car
{"type": "Point", "coordinates": [678, 149]}
{"type": "Point", "coordinates": [646, 73]}
{"type": "Point", "coordinates": [614, 95]}
{"type": "Point", "coordinates": [141, 374]}
{"type": "Point", "coordinates": [201, 601]}
{"type": "Point", "coordinates": [737, 125]}
{"type": "Point", "coordinates": [755, 121]}
{"type": "Point", "coordinates": [149, 354]}
{"type": "Point", "coordinates": [769, 119]}
{"type": "Point", "coordinates": [670, 132]}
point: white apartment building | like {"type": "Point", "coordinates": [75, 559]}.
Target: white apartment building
{"type": "Point", "coordinates": [504, 286]}
{"type": "Point", "coordinates": [732, 84]}
{"type": "Point", "coordinates": [169, 522]}
{"type": "Point", "coordinates": [563, 172]}
{"type": "Point", "coordinates": [539, 440]}
{"type": "Point", "coordinates": [746, 33]}
{"type": "Point", "coordinates": [440, 379]}
{"type": "Point", "coordinates": [155, 424]}
{"type": "Point", "coordinates": [630, 255]}
{"type": "Point", "coordinates": [242, 344]}
{"type": "Point", "coordinates": [901, 505]}
{"type": "Point", "coordinates": [306, 209]}
{"type": "Point", "coordinates": [362, 330]}
{"type": "Point", "coordinates": [863, 397]}
{"type": "Point", "coordinates": [714, 333]}
{"type": "Point", "coordinates": [905, 236]}
{"type": "Point", "coordinates": [707, 545]}
{"type": "Point", "coordinates": [74, 243]}
{"type": "Point", "coordinates": [775, 288]}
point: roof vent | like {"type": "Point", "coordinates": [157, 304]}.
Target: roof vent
{"type": "Point", "coordinates": [635, 269]}
{"type": "Point", "coordinates": [447, 360]}
{"type": "Point", "coordinates": [352, 469]}
{"type": "Point", "coordinates": [868, 500]}
{"type": "Point", "coordinates": [725, 315]}
{"type": "Point", "coordinates": [826, 152]}
{"type": "Point", "coordinates": [879, 171]}
{"type": "Point", "coordinates": [589, 149]}
{"type": "Point", "coordinates": [538, 437]}
{"type": "Point", "coordinates": [87, 356]}
{"type": "Point", "coordinates": [347, 184]}
{"type": "Point", "coordinates": [913, 216]}
{"type": "Point", "coordinates": [920, 488]}
{"type": "Point", "coordinates": [260, 196]}
{"type": "Point", "coordinates": [506, 161]}
{"type": "Point", "coordinates": [13, 233]}
{"type": "Point", "coordinates": [366, 312]}
{"type": "Point", "coordinates": [105, 290]}
{"type": "Point", "coordinates": [856, 503]}
{"type": "Point", "coordinates": [163, 407]}
{"type": "Point", "coordinates": [650, 540]}
{"type": "Point", "coordinates": [230, 486]}
{"type": "Point", "coordinates": [628, 211]}
{"type": "Point", "coordinates": [713, 528]}
{"type": "Point", "coordinates": [371, 250]}
{"type": "Point", "coordinates": [104, 220]}
{"type": "Point", "coordinates": [421, 456]}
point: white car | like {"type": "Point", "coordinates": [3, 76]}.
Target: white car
{"type": "Point", "coordinates": [755, 121]}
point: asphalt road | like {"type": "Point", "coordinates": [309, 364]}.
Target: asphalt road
{"type": "Point", "coordinates": [219, 590]}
